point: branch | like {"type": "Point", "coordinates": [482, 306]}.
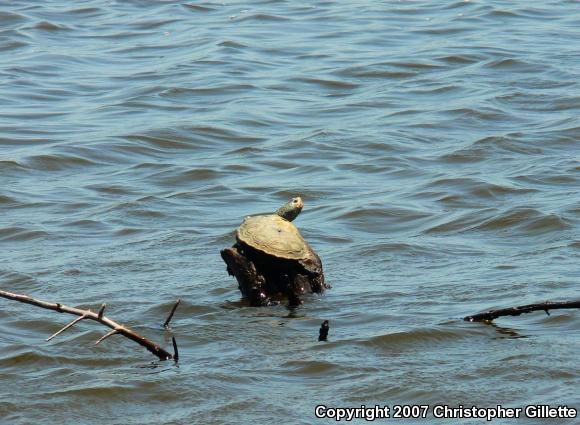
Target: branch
{"type": "Point", "coordinates": [97, 317]}
{"type": "Point", "coordinates": [70, 325]}
{"type": "Point", "coordinates": [516, 311]}
{"type": "Point", "coordinates": [104, 337]}
{"type": "Point", "coordinates": [166, 324]}
{"type": "Point", "coordinates": [175, 352]}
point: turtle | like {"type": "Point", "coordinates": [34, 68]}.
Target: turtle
{"type": "Point", "coordinates": [272, 260]}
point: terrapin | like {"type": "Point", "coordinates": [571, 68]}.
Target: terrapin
{"type": "Point", "coordinates": [271, 259]}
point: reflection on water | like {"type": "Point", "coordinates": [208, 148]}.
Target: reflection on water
{"type": "Point", "coordinates": [435, 145]}
{"type": "Point", "coordinates": [507, 332]}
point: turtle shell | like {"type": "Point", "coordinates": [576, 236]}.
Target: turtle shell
{"type": "Point", "coordinates": [275, 236]}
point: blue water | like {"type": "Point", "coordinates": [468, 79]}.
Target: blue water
{"type": "Point", "coordinates": [436, 146]}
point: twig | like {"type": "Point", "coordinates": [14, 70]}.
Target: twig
{"type": "Point", "coordinates": [166, 324]}
{"type": "Point", "coordinates": [101, 311]}
{"type": "Point", "coordinates": [70, 325]}
{"type": "Point", "coordinates": [516, 311]}
{"type": "Point", "coordinates": [88, 314]}
{"type": "Point", "coordinates": [104, 337]}
{"type": "Point", "coordinates": [175, 352]}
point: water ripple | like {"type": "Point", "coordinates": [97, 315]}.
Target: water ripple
{"type": "Point", "coordinates": [435, 145]}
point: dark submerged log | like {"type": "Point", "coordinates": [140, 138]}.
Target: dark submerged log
{"type": "Point", "coordinates": [251, 283]}
{"type": "Point", "coordinates": [265, 280]}
{"type": "Point", "coordinates": [116, 327]}
{"type": "Point", "coordinates": [516, 311]}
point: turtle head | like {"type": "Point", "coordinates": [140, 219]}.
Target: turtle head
{"type": "Point", "coordinates": [291, 209]}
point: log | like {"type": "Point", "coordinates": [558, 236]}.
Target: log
{"type": "Point", "coordinates": [490, 315]}
{"type": "Point", "coordinates": [116, 327]}
{"type": "Point", "coordinates": [252, 284]}
{"type": "Point", "coordinates": [266, 280]}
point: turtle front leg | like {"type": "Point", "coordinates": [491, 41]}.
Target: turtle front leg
{"type": "Point", "coordinates": [251, 283]}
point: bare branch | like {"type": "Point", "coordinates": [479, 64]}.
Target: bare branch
{"type": "Point", "coordinates": [104, 337]}
{"type": "Point", "coordinates": [70, 325]}
{"type": "Point", "coordinates": [88, 314]}
{"type": "Point", "coordinates": [175, 352]}
{"type": "Point", "coordinates": [166, 324]}
{"type": "Point", "coordinates": [516, 311]}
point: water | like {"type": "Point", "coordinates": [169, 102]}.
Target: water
{"type": "Point", "coordinates": [436, 146]}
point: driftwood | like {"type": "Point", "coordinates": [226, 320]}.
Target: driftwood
{"type": "Point", "coordinates": [266, 280]}
{"type": "Point", "coordinates": [250, 282]}
{"type": "Point", "coordinates": [516, 311]}
{"type": "Point", "coordinates": [99, 316]}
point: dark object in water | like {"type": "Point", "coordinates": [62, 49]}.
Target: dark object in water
{"type": "Point", "coordinates": [171, 313]}
{"type": "Point", "coordinates": [323, 333]}
{"type": "Point", "coordinates": [271, 260]}
{"type": "Point", "coordinates": [489, 315]}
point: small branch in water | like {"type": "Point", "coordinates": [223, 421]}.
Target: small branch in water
{"type": "Point", "coordinates": [70, 325]}
{"type": "Point", "coordinates": [323, 333]}
{"type": "Point", "coordinates": [97, 317]}
{"type": "Point", "coordinates": [166, 324]}
{"type": "Point", "coordinates": [175, 352]}
{"type": "Point", "coordinates": [104, 337]}
{"type": "Point", "coordinates": [516, 311]}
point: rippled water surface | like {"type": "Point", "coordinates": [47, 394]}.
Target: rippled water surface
{"type": "Point", "coordinates": [436, 146]}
